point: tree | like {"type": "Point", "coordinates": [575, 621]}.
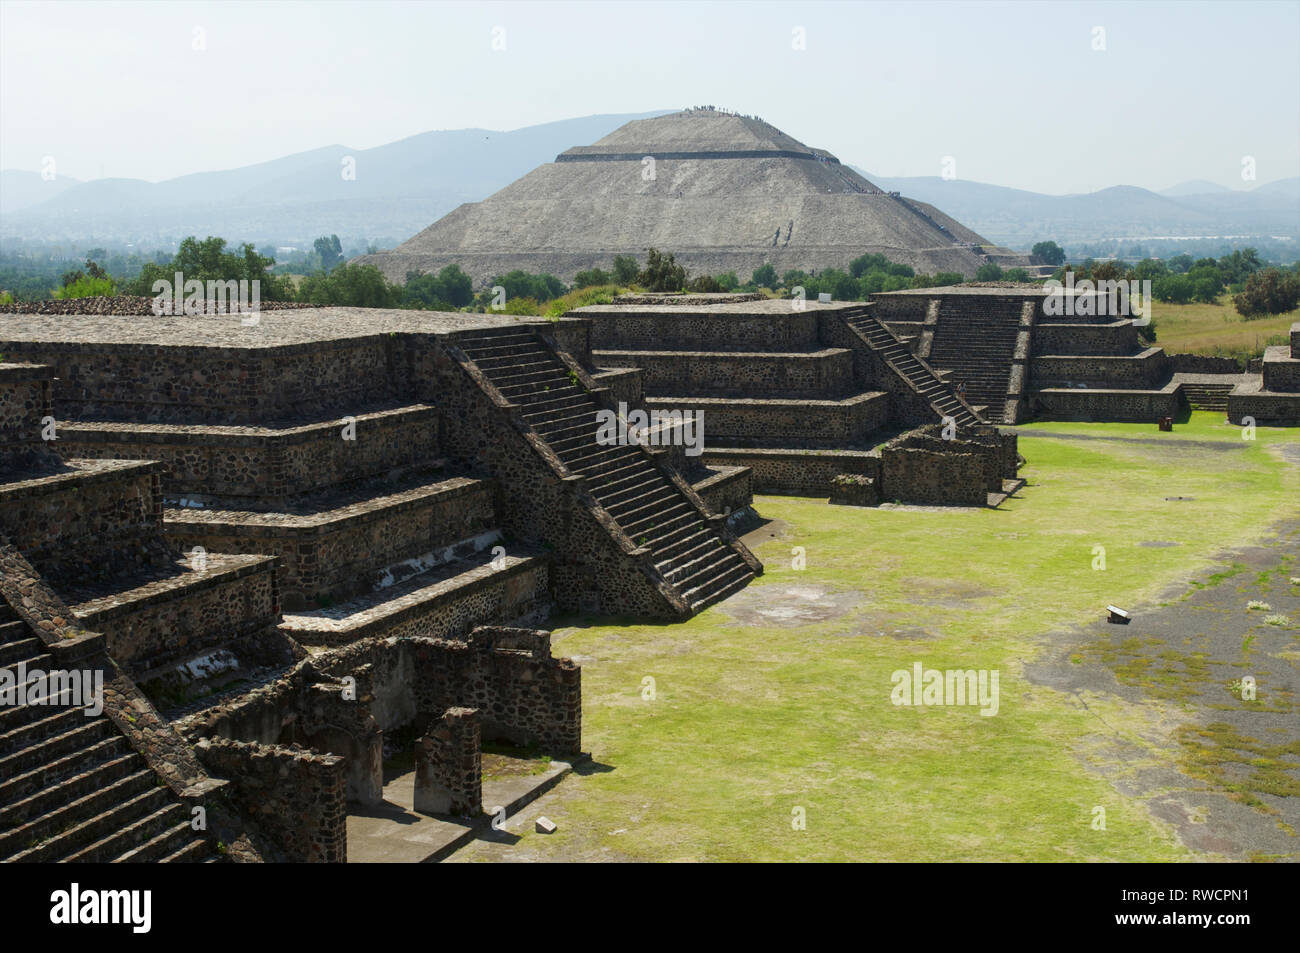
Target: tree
{"type": "Point", "coordinates": [662, 273]}
{"type": "Point", "coordinates": [987, 272]}
{"type": "Point", "coordinates": [591, 278]}
{"type": "Point", "coordinates": [1174, 289]}
{"type": "Point", "coordinates": [625, 270]}
{"type": "Point", "coordinates": [1270, 291]}
{"type": "Point", "coordinates": [330, 251]}
{"type": "Point", "coordinates": [1015, 274]}
{"type": "Point", "coordinates": [866, 263]}
{"type": "Point", "coordinates": [353, 286]}
{"type": "Point", "coordinates": [1048, 252]}
{"type": "Point", "coordinates": [765, 277]}
{"type": "Point", "coordinates": [208, 260]}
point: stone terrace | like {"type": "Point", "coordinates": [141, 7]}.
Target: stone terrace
{"type": "Point", "coordinates": [799, 394]}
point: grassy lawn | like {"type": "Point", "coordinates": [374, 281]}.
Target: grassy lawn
{"type": "Point", "coordinates": [767, 703]}
{"type": "Point", "coordinates": [1214, 328]}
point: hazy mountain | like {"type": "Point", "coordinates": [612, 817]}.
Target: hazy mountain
{"type": "Point", "coordinates": [398, 189]}
{"type": "Point", "coordinates": [1194, 187]}
{"type": "Point", "coordinates": [20, 189]}
{"type": "Point", "coordinates": [1018, 218]}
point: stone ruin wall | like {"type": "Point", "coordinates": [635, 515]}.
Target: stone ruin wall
{"type": "Point", "coordinates": [304, 741]}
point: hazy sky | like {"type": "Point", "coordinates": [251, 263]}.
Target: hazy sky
{"type": "Point", "coordinates": [1014, 92]}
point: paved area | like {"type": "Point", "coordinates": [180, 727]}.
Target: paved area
{"type": "Point", "coordinates": [392, 833]}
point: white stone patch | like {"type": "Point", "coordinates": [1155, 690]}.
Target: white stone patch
{"type": "Point", "coordinates": [398, 572]}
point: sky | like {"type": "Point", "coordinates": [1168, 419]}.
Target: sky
{"type": "Point", "coordinates": [1050, 97]}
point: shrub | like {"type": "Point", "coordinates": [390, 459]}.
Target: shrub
{"type": "Point", "coordinates": [662, 273]}
{"type": "Point", "coordinates": [988, 271]}
{"type": "Point", "coordinates": [1270, 291]}
{"type": "Point", "coordinates": [765, 277]}
{"type": "Point", "coordinates": [86, 287]}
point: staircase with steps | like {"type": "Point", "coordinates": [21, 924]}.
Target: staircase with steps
{"type": "Point", "coordinates": [924, 381]}
{"type": "Point", "coordinates": [686, 549]}
{"type": "Point", "coordinates": [71, 786]}
{"type": "Point", "coordinates": [1207, 396]}
{"type": "Point", "coordinates": [976, 340]}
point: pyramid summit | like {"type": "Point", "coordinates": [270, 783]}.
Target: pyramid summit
{"type": "Point", "coordinates": [721, 191]}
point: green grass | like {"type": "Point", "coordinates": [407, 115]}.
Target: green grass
{"type": "Point", "coordinates": [1216, 329]}
{"type": "Point", "coordinates": [750, 722]}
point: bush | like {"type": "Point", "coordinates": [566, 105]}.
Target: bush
{"type": "Point", "coordinates": [765, 277]}
{"type": "Point", "coordinates": [625, 269]}
{"type": "Point", "coordinates": [350, 286]}
{"type": "Point", "coordinates": [1173, 289]}
{"type": "Point", "coordinates": [662, 273]}
{"type": "Point", "coordinates": [591, 278]}
{"type": "Point", "coordinates": [86, 287]}
{"type": "Point", "coordinates": [704, 284]}
{"type": "Point", "coordinates": [1270, 291]}
{"type": "Point", "coordinates": [987, 272]}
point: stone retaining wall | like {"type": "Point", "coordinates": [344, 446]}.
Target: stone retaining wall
{"type": "Point", "coordinates": [294, 795]}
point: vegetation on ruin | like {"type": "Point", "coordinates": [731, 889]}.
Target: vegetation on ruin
{"type": "Point", "coordinates": [752, 718]}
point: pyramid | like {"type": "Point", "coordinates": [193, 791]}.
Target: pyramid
{"type": "Point", "coordinates": [723, 193]}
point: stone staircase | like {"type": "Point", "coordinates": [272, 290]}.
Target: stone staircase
{"type": "Point", "coordinates": [686, 552]}
{"type": "Point", "coordinates": [976, 341]}
{"type": "Point", "coordinates": [71, 786]}
{"type": "Point", "coordinates": [1204, 396]}
{"type": "Point", "coordinates": [936, 391]}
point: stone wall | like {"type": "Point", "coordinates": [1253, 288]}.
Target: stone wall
{"type": "Point", "coordinates": [823, 373]}
{"type": "Point", "coordinates": [261, 462]}
{"type": "Point", "coordinates": [88, 522]}
{"type": "Point", "coordinates": [1147, 369]}
{"type": "Point", "coordinates": [24, 401]}
{"type": "Point", "coordinates": [1138, 406]}
{"type": "Point", "coordinates": [234, 385]}
{"type": "Point", "coordinates": [1117, 338]}
{"type": "Point", "coordinates": [295, 796]}
{"type": "Point", "coordinates": [936, 477]}
{"type": "Point", "coordinates": [343, 554]}
{"type": "Point", "coordinates": [1281, 371]}
{"type": "Point", "coordinates": [795, 472]}
{"type": "Point", "coordinates": [685, 329]}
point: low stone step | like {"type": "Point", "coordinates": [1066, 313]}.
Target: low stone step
{"type": "Point", "coordinates": [69, 765]}
{"type": "Point", "coordinates": [13, 630]}
{"type": "Point", "coordinates": [54, 722]}
{"type": "Point", "coordinates": [51, 797]}
{"type": "Point", "coordinates": [95, 825]}
{"type": "Point", "coordinates": [161, 845]}
{"type": "Point", "coordinates": [62, 823]}
{"type": "Point", "coordinates": [75, 738]}
{"type": "Point", "coordinates": [195, 851]}
{"type": "Point", "coordinates": [19, 650]}
{"type": "Point", "coordinates": [717, 589]}
{"type": "Point", "coordinates": [139, 831]}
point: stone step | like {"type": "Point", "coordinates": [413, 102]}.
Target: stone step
{"type": "Point", "coordinates": [658, 520]}
{"type": "Point", "coordinates": [54, 721]}
{"type": "Point", "coordinates": [140, 830]}
{"type": "Point", "coordinates": [75, 738]}
{"type": "Point", "coordinates": [164, 844]}
{"type": "Point", "coordinates": [95, 820]}
{"type": "Point", "coordinates": [19, 649]}
{"type": "Point", "coordinates": [195, 851]}
{"type": "Point", "coordinates": [13, 629]}
{"type": "Point", "coordinates": [15, 717]}
{"type": "Point", "coordinates": [69, 824]}
{"type": "Point", "coordinates": [442, 602]}
{"type": "Point", "coordinates": [94, 776]}
{"type": "Point", "coordinates": [721, 586]}
{"type": "Point", "coordinates": [15, 789]}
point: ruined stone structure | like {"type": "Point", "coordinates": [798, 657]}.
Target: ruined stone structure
{"type": "Point", "coordinates": [1018, 361]}
{"type": "Point", "coordinates": [722, 192]}
{"type": "Point", "coordinates": [798, 392]}
{"type": "Point", "coordinates": [1274, 397]}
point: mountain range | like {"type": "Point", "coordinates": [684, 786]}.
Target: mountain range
{"type": "Point", "coordinates": [402, 187]}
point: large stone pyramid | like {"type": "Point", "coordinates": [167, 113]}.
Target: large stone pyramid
{"type": "Point", "coordinates": [724, 193]}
